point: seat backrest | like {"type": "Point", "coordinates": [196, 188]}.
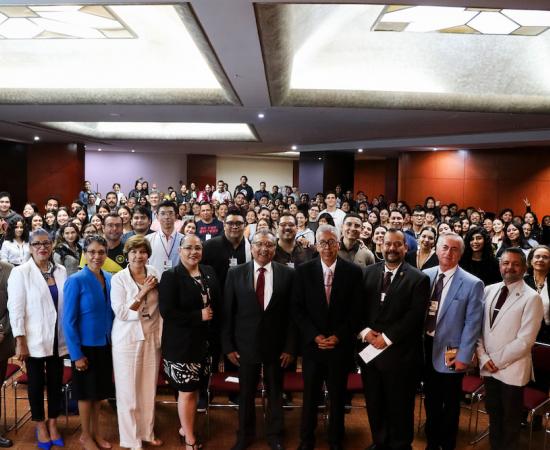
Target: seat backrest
{"type": "Point", "coordinates": [541, 358]}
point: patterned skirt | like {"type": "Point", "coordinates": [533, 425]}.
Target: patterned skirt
{"type": "Point", "coordinates": [188, 376]}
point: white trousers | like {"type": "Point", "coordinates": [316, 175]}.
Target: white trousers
{"type": "Point", "coordinates": [136, 367]}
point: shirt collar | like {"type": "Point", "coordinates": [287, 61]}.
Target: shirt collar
{"type": "Point", "coordinates": [513, 287]}
{"type": "Point", "coordinates": [268, 267]}
{"type": "Point", "coordinates": [394, 271]}
{"type": "Point", "coordinates": [449, 272]}
{"type": "Point", "coordinates": [325, 267]}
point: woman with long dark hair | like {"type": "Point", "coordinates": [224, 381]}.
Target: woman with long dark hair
{"type": "Point", "coordinates": [514, 237]}
{"type": "Point", "coordinates": [478, 257]}
{"type": "Point", "coordinates": [15, 248]}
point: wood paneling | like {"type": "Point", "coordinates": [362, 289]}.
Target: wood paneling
{"type": "Point", "coordinates": [55, 170]}
{"type": "Point", "coordinates": [376, 176]}
{"type": "Point", "coordinates": [201, 169]}
{"type": "Point", "coordinates": [489, 179]}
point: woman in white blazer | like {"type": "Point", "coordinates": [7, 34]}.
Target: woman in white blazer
{"type": "Point", "coordinates": [35, 303]}
{"type": "Point", "coordinates": [136, 337]}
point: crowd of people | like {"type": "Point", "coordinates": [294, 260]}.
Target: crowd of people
{"type": "Point", "coordinates": [194, 281]}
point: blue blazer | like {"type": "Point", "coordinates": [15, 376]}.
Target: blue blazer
{"type": "Point", "coordinates": [460, 318]}
{"type": "Point", "coordinates": [87, 314]}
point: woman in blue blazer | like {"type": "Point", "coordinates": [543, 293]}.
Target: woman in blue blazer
{"type": "Point", "coordinates": [87, 322]}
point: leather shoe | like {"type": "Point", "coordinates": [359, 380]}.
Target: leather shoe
{"type": "Point", "coordinates": [336, 447]}
{"type": "Point", "coordinates": [5, 442]}
{"type": "Point", "coordinates": [241, 445]}
{"type": "Point", "coordinates": [375, 447]}
{"type": "Point", "coordinates": [276, 445]}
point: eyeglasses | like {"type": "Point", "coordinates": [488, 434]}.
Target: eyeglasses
{"type": "Point", "coordinates": [97, 253]}
{"type": "Point", "coordinates": [166, 213]}
{"type": "Point", "coordinates": [329, 243]}
{"type": "Point", "coordinates": [189, 248]}
{"type": "Point", "coordinates": [234, 224]}
{"type": "Point", "coordinates": [268, 245]}
{"type": "Point", "coordinates": [37, 245]}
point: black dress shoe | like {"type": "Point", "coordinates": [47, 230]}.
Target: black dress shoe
{"type": "Point", "coordinates": [304, 446]}
{"type": "Point", "coordinates": [276, 445]}
{"type": "Point", "coordinates": [336, 447]}
{"type": "Point", "coordinates": [241, 445]}
{"type": "Point", "coordinates": [5, 442]}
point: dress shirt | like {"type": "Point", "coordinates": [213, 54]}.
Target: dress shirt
{"type": "Point", "coordinates": [447, 280]}
{"type": "Point", "coordinates": [164, 249]}
{"type": "Point", "coordinates": [366, 330]}
{"type": "Point", "coordinates": [268, 286]}
{"type": "Point", "coordinates": [15, 253]}
{"type": "Point", "coordinates": [545, 301]}
{"type": "Point", "coordinates": [325, 270]}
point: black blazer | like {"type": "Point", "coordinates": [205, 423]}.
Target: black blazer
{"type": "Point", "coordinates": [258, 336]}
{"type": "Point", "coordinates": [544, 332]}
{"type": "Point", "coordinates": [184, 334]}
{"type": "Point", "coordinates": [400, 317]}
{"type": "Point", "coordinates": [314, 316]}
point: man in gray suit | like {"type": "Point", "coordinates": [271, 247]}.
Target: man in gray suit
{"type": "Point", "coordinates": [513, 316]}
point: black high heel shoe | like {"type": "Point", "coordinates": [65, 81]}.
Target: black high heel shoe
{"type": "Point", "coordinates": [197, 445]}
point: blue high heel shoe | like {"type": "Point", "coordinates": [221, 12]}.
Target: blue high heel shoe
{"type": "Point", "coordinates": [45, 445]}
{"type": "Point", "coordinates": [58, 442]}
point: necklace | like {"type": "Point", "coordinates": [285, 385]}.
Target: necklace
{"type": "Point", "coordinates": [48, 273]}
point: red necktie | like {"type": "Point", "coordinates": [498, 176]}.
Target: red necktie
{"type": "Point", "coordinates": [260, 287]}
{"type": "Point", "coordinates": [328, 284]}
{"type": "Point", "coordinates": [500, 301]}
{"type": "Point", "coordinates": [431, 320]}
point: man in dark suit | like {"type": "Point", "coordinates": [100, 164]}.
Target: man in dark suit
{"type": "Point", "coordinates": [257, 331]}
{"type": "Point", "coordinates": [392, 317]}
{"type": "Point", "coordinates": [326, 297]}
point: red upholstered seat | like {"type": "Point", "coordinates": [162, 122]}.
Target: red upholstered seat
{"type": "Point", "coordinates": [67, 375]}
{"type": "Point", "coordinates": [355, 383]}
{"type": "Point", "coordinates": [22, 379]}
{"type": "Point", "coordinates": [293, 382]}
{"type": "Point", "coordinates": [219, 385]}
{"type": "Point", "coordinates": [12, 368]}
{"type": "Point", "coordinates": [532, 398]}
{"type": "Point", "coordinates": [471, 383]}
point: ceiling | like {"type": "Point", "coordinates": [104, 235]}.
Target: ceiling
{"type": "Point", "coordinates": [319, 74]}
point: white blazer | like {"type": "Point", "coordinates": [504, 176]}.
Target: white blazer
{"type": "Point", "coordinates": [32, 312]}
{"type": "Point", "coordinates": [127, 327]}
{"type": "Point", "coordinates": [509, 341]}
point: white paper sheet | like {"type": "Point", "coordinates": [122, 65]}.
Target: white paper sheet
{"type": "Point", "coordinates": [370, 352]}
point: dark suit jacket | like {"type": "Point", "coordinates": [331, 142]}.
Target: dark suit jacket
{"type": "Point", "coordinates": [258, 336]}
{"type": "Point", "coordinates": [314, 316]}
{"type": "Point", "coordinates": [184, 333]}
{"type": "Point", "coordinates": [400, 317]}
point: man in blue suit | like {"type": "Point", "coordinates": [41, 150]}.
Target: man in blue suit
{"type": "Point", "coordinates": [452, 327]}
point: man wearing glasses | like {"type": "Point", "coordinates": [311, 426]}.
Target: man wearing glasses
{"type": "Point", "coordinates": [258, 333]}
{"type": "Point", "coordinates": [326, 297]}
{"type": "Point", "coordinates": [166, 241]}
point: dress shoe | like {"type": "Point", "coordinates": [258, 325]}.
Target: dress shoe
{"type": "Point", "coordinates": [5, 442]}
{"type": "Point", "coordinates": [242, 445]}
{"type": "Point", "coordinates": [336, 447]}
{"type": "Point", "coordinates": [375, 447]}
{"type": "Point", "coordinates": [304, 446]}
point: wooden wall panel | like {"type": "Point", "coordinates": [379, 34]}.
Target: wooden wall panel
{"type": "Point", "coordinates": [376, 176]}
{"type": "Point", "coordinates": [489, 179]}
{"type": "Point", "coordinates": [201, 169]}
{"type": "Point", "coordinates": [55, 170]}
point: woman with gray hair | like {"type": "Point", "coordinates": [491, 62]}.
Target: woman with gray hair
{"type": "Point", "coordinates": [35, 301]}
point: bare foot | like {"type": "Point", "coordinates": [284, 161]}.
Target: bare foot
{"type": "Point", "coordinates": [42, 432]}
{"type": "Point", "coordinates": [88, 443]}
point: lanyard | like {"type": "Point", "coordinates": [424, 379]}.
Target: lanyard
{"type": "Point", "coordinates": [168, 253]}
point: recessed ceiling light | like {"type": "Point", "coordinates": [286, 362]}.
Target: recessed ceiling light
{"type": "Point", "coordinates": [207, 131]}
{"type": "Point", "coordinates": [98, 149]}
{"type": "Point", "coordinates": [133, 151]}
{"type": "Point", "coordinates": [320, 159]}
{"type": "Point", "coordinates": [114, 114]}
{"type": "Point", "coordinates": [360, 150]}
{"type": "Point", "coordinates": [435, 149]}
{"type": "Point", "coordinates": [37, 138]}
{"type": "Point", "coordinates": [261, 115]}
{"type": "Point", "coordinates": [294, 147]}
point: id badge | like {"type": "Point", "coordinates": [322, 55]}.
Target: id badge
{"type": "Point", "coordinates": [233, 262]}
{"type": "Point", "coordinates": [290, 264]}
{"type": "Point", "coordinates": [167, 264]}
{"type": "Point", "coordinates": [207, 237]}
{"type": "Point", "coordinates": [382, 297]}
{"type": "Point", "coordinates": [432, 310]}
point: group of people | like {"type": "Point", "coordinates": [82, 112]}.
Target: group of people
{"type": "Point", "coordinates": [190, 279]}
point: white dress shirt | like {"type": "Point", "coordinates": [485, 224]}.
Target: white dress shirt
{"type": "Point", "coordinates": [165, 250]}
{"type": "Point", "coordinates": [545, 301]}
{"type": "Point", "coordinates": [447, 280]}
{"type": "Point", "coordinates": [268, 286]}
{"type": "Point", "coordinates": [15, 253]}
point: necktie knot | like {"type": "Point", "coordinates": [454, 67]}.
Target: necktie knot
{"type": "Point", "coordinates": [262, 269]}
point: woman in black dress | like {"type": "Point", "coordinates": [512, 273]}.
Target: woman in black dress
{"type": "Point", "coordinates": [425, 256]}
{"type": "Point", "coordinates": [478, 257]}
{"type": "Point", "coordinates": [188, 296]}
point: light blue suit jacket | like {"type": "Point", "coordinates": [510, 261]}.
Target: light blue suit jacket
{"type": "Point", "coordinates": [459, 321]}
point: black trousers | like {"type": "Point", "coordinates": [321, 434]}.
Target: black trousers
{"type": "Point", "coordinates": [249, 376]}
{"type": "Point", "coordinates": [3, 370]}
{"type": "Point", "coordinates": [335, 375]}
{"type": "Point", "coordinates": [443, 392]}
{"type": "Point", "coordinates": [504, 404]}
{"type": "Point", "coordinates": [389, 395]}
{"type": "Point", "coordinates": [46, 371]}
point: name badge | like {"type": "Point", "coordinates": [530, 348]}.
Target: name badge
{"type": "Point", "coordinates": [167, 264]}
{"type": "Point", "coordinates": [233, 262]}
{"type": "Point", "coordinates": [382, 297]}
{"type": "Point", "coordinates": [207, 237]}
{"type": "Point", "coordinates": [290, 264]}
{"type": "Point", "coordinates": [432, 310]}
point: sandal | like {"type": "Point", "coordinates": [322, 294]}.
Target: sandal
{"type": "Point", "coordinates": [196, 445]}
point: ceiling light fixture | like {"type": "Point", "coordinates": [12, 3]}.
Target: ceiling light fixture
{"type": "Point", "coordinates": [36, 138]}
{"type": "Point", "coordinates": [133, 151]}
{"type": "Point", "coordinates": [294, 147]}
{"type": "Point", "coordinates": [98, 149]}
{"type": "Point", "coordinates": [360, 150]}
{"type": "Point", "coordinates": [261, 115]}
